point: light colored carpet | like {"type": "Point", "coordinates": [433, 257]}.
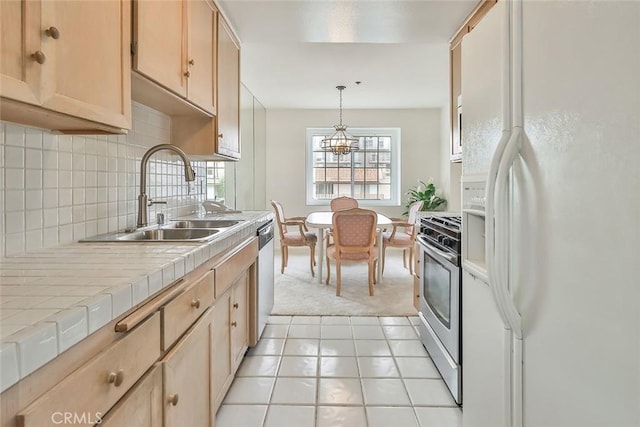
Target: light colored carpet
{"type": "Point", "coordinates": [297, 293]}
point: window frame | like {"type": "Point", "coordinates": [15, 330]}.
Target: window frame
{"type": "Point", "coordinates": [395, 164]}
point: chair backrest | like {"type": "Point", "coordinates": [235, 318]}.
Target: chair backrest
{"type": "Point", "coordinates": [342, 203]}
{"type": "Point", "coordinates": [282, 228]}
{"type": "Point", "coordinates": [354, 230]}
{"type": "Point", "coordinates": [413, 216]}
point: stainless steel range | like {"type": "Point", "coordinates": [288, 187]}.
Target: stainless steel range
{"type": "Point", "coordinates": [441, 297]}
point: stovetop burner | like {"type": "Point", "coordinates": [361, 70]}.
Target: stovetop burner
{"type": "Point", "coordinates": [443, 232]}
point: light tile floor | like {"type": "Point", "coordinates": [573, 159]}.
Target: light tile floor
{"type": "Point", "coordinates": [334, 371]}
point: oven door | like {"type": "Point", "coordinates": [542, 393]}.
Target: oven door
{"type": "Point", "coordinates": [440, 297]}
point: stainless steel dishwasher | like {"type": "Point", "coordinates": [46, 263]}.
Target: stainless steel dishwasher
{"type": "Point", "coordinates": [265, 275]}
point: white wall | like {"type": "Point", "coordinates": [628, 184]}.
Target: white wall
{"type": "Point", "coordinates": [56, 189]}
{"type": "Point", "coordinates": [421, 145]}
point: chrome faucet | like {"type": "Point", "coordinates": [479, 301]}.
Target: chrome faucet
{"type": "Point", "coordinates": [189, 175]}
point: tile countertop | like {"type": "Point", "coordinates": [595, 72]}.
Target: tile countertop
{"type": "Point", "coordinates": [53, 298]}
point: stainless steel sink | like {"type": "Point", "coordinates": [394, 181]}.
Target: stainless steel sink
{"type": "Point", "coordinates": [158, 235]}
{"type": "Point", "coordinates": [166, 234]}
{"type": "Point", "coordinates": [205, 223]}
{"type": "Point", "coordinates": [194, 230]}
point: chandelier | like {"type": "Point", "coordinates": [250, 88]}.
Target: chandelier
{"type": "Point", "coordinates": [341, 142]}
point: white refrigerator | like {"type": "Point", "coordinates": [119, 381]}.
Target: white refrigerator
{"type": "Point", "coordinates": [551, 215]}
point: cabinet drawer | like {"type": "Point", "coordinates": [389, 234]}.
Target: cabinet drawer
{"type": "Point", "coordinates": [95, 387]}
{"type": "Point", "coordinates": [179, 314]}
{"type": "Point", "coordinates": [235, 264]}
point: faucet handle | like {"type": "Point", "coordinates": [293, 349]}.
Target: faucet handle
{"type": "Point", "coordinates": [159, 202]}
{"type": "Point", "coordinates": [160, 218]}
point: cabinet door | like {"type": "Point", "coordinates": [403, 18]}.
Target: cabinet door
{"type": "Point", "coordinates": [141, 406]}
{"type": "Point", "coordinates": [222, 344]}
{"type": "Point", "coordinates": [240, 319]}
{"type": "Point", "coordinates": [228, 89]}
{"type": "Point", "coordinates": [187, 377]}
{"type": "Point", "coordinates": [19, 38]}
{"type": "Point", "coordinates": [200, 58]}
{"type": "Point", "coordinates": [159, 31]}
{"type": "Point", "coordinates": [87, 68]}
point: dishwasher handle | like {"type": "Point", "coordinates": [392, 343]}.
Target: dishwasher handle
{"type": "Point", "coordinates": [265, 234]}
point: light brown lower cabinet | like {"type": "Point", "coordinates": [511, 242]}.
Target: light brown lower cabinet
{"type": "Point", "coordinates": [187, 372]}
{"type": "Point", "coordinates": [231, 317]}
{"type": "Point", "coordinates": [179, 386]}
{"type": "Point", "coordinates": [141, 406]}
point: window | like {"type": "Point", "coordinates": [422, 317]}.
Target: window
{"type": "Point", "coordinates": [215, 181]}
{"type": "Point", "coordinates": [371, 174]}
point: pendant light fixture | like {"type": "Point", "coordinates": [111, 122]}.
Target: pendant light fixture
{"type": "Point", "coordinates": [340, 142]}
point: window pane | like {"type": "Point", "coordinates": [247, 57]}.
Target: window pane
{"type": "Point", "coordinates": [331, 175]}
{"type": "Point", "coordinates": [319, 175]}
{"type": "Point", "coordinates": [384, 143]}
{"type": "Point", "coordinates": [344, 190]}
{"type": "Point", "coordinates": [316, 140]}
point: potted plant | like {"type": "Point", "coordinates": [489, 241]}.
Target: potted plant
{"type": "Point", "coordinates": [430, 196]}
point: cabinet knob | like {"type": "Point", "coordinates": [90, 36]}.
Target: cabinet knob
{"type": "Point", "coordinates": [173, 399]}
{"type": "Point", "coordinates": [192, 62]}
{"type": "Point", "coordinates": [187, 74]}
{"type": "Point", "coordinates": [116, 378]}
{"type": "Point", "coordinates": [235, 305]}
{"type": "Point", "coordinates": [220, 135]}
{"type": "Point", "coordinates": [234, 324]}
{"type": "Point", "coordinates": [195, 303]}
{"type": "Point", "coordinates": [52, 32]}
{"type": "Point", "coordinates": [39, 56]}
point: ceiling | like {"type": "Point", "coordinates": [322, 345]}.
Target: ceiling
{"type": "Point", "coordinates": [295, 52]}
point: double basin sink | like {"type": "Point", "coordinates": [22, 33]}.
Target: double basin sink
{"type": "Point", "coordinates": [195, 230]}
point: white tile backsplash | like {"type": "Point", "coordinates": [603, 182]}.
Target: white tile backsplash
{"type": "Point", "coordinates": [59, 188]}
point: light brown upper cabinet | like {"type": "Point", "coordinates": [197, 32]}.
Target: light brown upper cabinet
{"type": "Point", "coordinates": [173, 48]}
{"type": "Point", "coordinates": [65, 65]}
{"type": "Point", "coordinates": [228, 138]}
{"type": "Point", "coordinates": [219, 138]}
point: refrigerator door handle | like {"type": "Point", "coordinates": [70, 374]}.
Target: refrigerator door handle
{"type": "Point", "coordinates": [511, 152]}
{"type": "Point", "coordinates": [490, 245]}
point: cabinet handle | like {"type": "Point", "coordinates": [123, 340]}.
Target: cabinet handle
{"type": "Point", "coordinates": [235, 305]}
{"type": "Point", "coordinates": [52, 32]}
{"type": "Point", "coordinates": [173, 399]}
{"type": "Point", "coordinates": [234, 324]}
{"type": "Point", "coordinates": [192, 62]}
{"type": "Point", "coordinates": [187, 74]}
{"type": "Point", "coordinates": [39, 56]}
{"type": "Point", "coordinates": [116, 378]}
{"type": "Point", "coordinates": [195, 303]}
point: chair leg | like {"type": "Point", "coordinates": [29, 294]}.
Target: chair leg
{"type": "Point", "coordinates": [375, 270]}
{"type": "Point", "coordinates": [370, 277]}
{"type": "Point", "coordinates": [384, 252]}
{"type": "Point", "coordinates": [284, 258]}
{"type": "Point", "coordinates": [404, 258]}
{"type": "Point", "coordinates": [326, 282]}
{"type": "Point", "coordinates": [338, 277]}
{"type": "Point", "coordinates": [313, 258]}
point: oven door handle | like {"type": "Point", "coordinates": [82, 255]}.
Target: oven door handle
{"type": "Point", "coordinates": [449, 257]}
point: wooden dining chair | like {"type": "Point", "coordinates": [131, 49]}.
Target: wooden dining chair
{"type": "Point", "coordinates": [298, 235]}
{"type": "Point", "coordinates": [344, 202]}
{"type": "Point", "coordinates": [354, 233]}
{"type": "Point", "coordinates": [403, 236]}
